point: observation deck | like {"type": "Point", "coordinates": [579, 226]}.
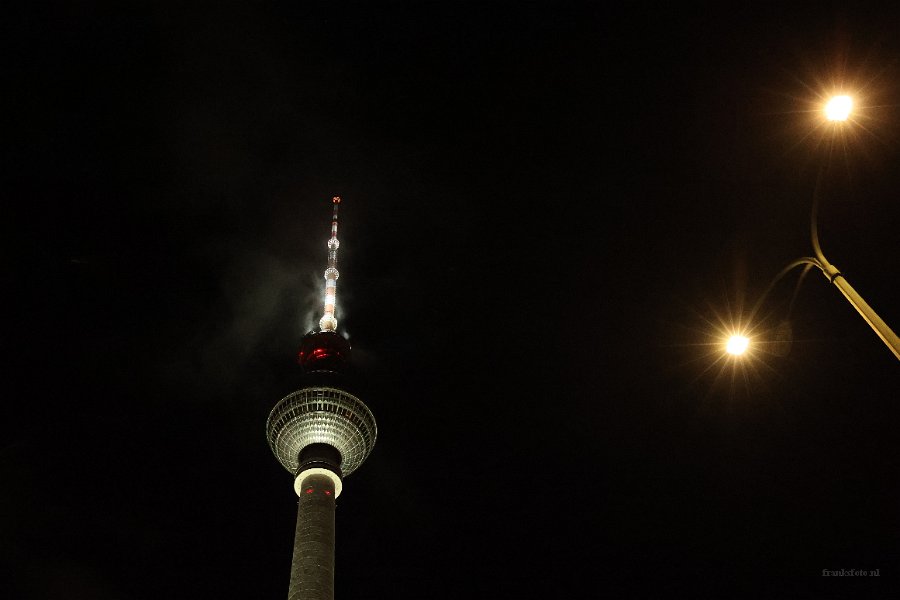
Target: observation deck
{"type": "Point", "coordinates": [321, 415]}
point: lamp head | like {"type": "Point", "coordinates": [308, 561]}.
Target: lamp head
{"type": "Point", "coordinates": [838, 108]}
{"type": "Point", "coordinates": [737, 345]}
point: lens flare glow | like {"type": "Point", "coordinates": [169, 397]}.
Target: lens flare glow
{"type": "Point", "coordinates": [737, 345]}
{"type": "Point", "coordinates": [838, 108]}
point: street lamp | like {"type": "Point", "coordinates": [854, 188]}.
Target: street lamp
{"type": "Point", "coordinates": [837, 108]}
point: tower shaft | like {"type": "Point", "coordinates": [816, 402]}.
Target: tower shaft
{"type": "Point", "coordinates": [312, 568]}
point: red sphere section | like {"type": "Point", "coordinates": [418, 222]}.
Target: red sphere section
{"type": "Point", "coordinates": [323, 351]}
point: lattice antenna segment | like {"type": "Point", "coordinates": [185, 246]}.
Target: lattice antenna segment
{"type": "Point", "coordinates": [328, 322]}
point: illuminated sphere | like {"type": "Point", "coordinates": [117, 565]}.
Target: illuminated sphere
{"type": "Point", "coordinates": [737, 344]}
{"type": "Point", "coordinates": [321, 415]}
{"type": "Point", "coordinates": [838, 108]}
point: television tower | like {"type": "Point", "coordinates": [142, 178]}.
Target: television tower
{"type": "Point", "coordinates": [321, 433]}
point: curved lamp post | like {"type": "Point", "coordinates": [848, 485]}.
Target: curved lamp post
{"type": "Point", "coordinates": [837, 109]}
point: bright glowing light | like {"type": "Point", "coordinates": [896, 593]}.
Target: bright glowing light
{"type": "Point", "coordinates": [328, 322]}
{"type": "Point", "coordinates": [737, 344]}
{"type": "Point", "coordinates": [838, 108]}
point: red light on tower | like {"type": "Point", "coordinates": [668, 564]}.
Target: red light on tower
{"type": "Point", "coordinates": [323, 351]}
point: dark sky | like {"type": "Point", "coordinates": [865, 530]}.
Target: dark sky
{"type": "Point", "coordinates": [548, 211]}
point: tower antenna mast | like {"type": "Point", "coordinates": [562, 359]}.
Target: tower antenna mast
{"type": "Point", "coordinates": [328, 322]}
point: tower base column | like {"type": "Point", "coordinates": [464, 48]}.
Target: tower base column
{"type": "Point", "coordinates": [312, 568]}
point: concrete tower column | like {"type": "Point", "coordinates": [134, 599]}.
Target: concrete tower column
{"type": "Point", "coordinates": [312, 568]}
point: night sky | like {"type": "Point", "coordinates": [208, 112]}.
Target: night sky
{"type": "Point", "coordinates": [550, 216]}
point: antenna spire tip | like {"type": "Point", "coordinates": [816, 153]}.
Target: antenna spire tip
{"type": "Point", "coordinates": [336, 199]}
